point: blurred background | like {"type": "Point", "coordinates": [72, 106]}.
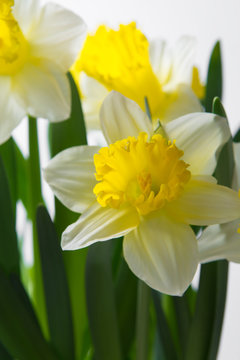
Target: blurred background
{"type": "Point", "coordinates": [208, 21]}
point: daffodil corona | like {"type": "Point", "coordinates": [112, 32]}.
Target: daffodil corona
{"type": "Point", "coordinates": [146, 174]}
{"type": "Point", "coordinates": [34, 59]}
{"type": "Point", "coordinates": [14, 47]}
{"type": "Point", "coordinates": [124, 61]}
{"type": "Point", "coordinates": [148, 188]}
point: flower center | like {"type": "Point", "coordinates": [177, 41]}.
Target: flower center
{"type": "Point", "coordinates": [146, 174]}
{"type": "Point", "coordinates": [13, 45]}
{"type": "Point", "coordinates": [120, 61]}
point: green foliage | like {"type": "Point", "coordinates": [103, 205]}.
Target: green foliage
{"type": "Point", "coordinates": [19, 329]}
{"type": "Point", "coordinates": [16, 167]}
{"type": "Point", "coordinates": [214, 77]}
{"type": "Point", "coordinates": [56, 287]}
{"type": "Point", "coordinates": [207, 322]}
{"type": "Point", "coordinates": [63, 135]}
{"type": "Point", "coordinates": [9, 255]}
{"type": "Point", "coordinates": [101, 304]}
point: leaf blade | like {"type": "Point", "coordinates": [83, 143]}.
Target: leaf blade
{"type": "Point", "coordinates": [56, 287]}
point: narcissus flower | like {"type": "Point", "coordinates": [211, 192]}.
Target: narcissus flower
{"type": "Point", "coordinates": [124, 61]}
{"type": "Point", "coordinates": [37, 47]}
{"type": "Point", "coordinates": [147, 187]}
{"type": "Point", "coordinates": [223, 241]}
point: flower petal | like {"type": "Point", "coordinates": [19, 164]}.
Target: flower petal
{"type": "Point", "coordinates": [205, 203]}
{"type": "Point", "coordinates": [93, 95]}
{"type": "Point", "coordinates": [121, 117]}
{"type": "Point", "coordinates": [162, 253]}
{"type": "Point", "coordinates": [11, 112]}
{"type": "Point", "coordinates": [182, 62]}
{"type": "Point", "coordinates": [220, 242]}
{"type": "Point", "coordinates": [71, 177]}
{"type": "Point", "coordinates": [26, 13]}
{"type": "Point", "coordinates": [99, 224]}
{"type": "Point", "coordinates": [185, 102]}
{"type": "Point", "coordinates": [44, 90]}
{"type": "Point", "coordinates": [161, 60]}
{"type": "Point", "coordinates": [57, 35]}
{"type": "Point", "coordinates": [201, 137]}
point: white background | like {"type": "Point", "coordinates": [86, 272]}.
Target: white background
{"type": "Point", "coordinates": [208, 21]}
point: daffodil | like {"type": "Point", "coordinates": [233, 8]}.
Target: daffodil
{"type": "Point", "coordinates": [125, 61]}
{"type": "Point", "coordinates": [223, 241]}
{"type": "Point", "coordinates": [148, 187]}
{"type": "Point", "coordinates": [38, 45]}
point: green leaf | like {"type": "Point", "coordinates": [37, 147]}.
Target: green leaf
{"type": "Point", "coordinates": [9, 255]}
{"type": "Point", "coordinates": [101, 302]}
{"type": "Point", "coordinates": [63, 135]}
{"type": "Point", "coordinates": [142, 323]}
{"type": "Point", "coordinates": [126, 306]}
{"type": "Point", "coordinates": [224, 174]}
{"type": "Point", "coordinates": [237, 136]}
{"type": "Point", "coordinates": [56, 287]}
{"type": "Point", "coordinates": [16, 169]}
{"type": "Point", "coordinates": [183, 317]}
{"type": "Point", "coordinates": [214, 77]}
{"type": "Point", "coordinates": [7, 152]}
{"type": "Point", "coordinates": [4, 355]}
{"type": "Point", "coordinates": [165, 336]}
{"type": "Point", "coordinates": [71, 132]}
{"type": "Point", "coordinates": [225, 166]}
{"type": "Point", "coordinates": [35, 197]}
{"type": "Point", "coordinates": [221, 293]}
{"type": "Point", "coordinates": [202, 325]}
{"type": "Point", "coordinates": [19, 332]}
{"type": "Point", "coordinates": [206, 328]}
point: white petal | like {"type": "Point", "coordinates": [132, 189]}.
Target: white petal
{"type": "Point", "coordinates": [220, 242]}
{"type": "Point", "coordinates": [93, 95]}
{"type": "Point", "coordinates": [183, 61]}
{"type": "Point", "coordinates": [236, 175]}
{"type": "Point", "coordinates": [201, 137]}
{"type": "Point", "coordinates": [205, 203]}
{"type": "Point", "coordinates": [44, 90]}
{"type": "Point", "coordinates": [161, 60]}
{"type": "Point", "coordinates": [71, 176]}
{"type": "Point", "coordinates": [163, 254]}
{"type": "Point", "coordinates": [121, 117]}
{"type": "Point", "coordinates": [26, 13]}
{"type": "Point", "coordinates": [99, 224]}
{"type": "Point", "coordinates": [185, 102]}
{"type": "Point", "coordinates": [11, 112]}
{"type": "Point", "coordinates": [57, 35]}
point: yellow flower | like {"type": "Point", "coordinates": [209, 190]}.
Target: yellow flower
{"type": "Point", "coordinates": [148, 188]}
{"type": "Point", "coordinates": [37, 47]}
{"type": "Point", "coordinates": [124, 61]}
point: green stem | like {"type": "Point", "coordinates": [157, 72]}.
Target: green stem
{"type": "Point", "coordinates": [35, 199]}
{"type": "Point", "coordinates": [142, 325]}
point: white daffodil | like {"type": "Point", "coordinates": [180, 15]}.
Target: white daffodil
{"type": "Point", "coordinates": [223, 241]}
{"type": "Point", "coordinates": [125, 61]}
{"type": "Point", "coordinates": [38, 45]}
{"type": "Point", "coordinates": [148, 188]}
